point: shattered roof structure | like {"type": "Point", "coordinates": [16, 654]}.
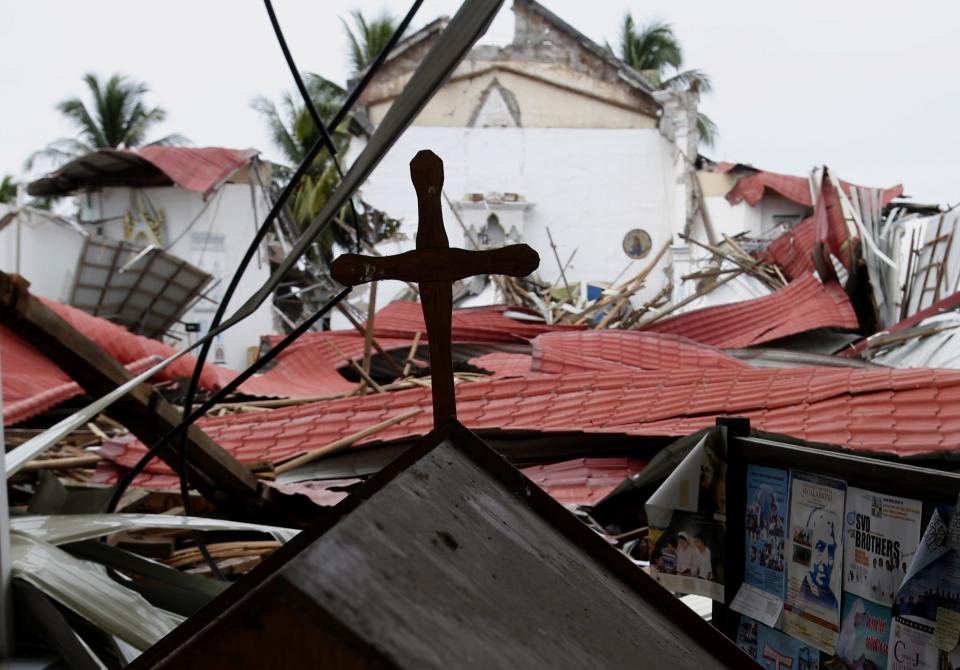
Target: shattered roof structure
{"type": "Point", "coordinates": [805, 304]}
{"type": "Point", "coordinates": [906, 413]}
{"type": "Point", "coordinates": [200, 169]}
{"type": "Point", "coordinates": [471, 567]}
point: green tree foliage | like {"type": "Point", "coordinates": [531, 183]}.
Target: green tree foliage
{"type": "Point", "coordinates": [115, 115]}
{"type": "Point", "coordinates": [366, 38]}
{"type": "Point", "coordinates": [8, 190]}
{"type": "Point", "coordinates": [655, 52]}
{"type": "Point", "coordinates": [293, 131]}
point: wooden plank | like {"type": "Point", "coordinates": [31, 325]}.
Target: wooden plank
{"type": "Point", "coordinates": [143, 411]}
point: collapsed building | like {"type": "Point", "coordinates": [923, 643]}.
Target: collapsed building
{"type": "Point", "coordinates": [797, 302]}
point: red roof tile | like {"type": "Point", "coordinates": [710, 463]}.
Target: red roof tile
{"type": "Point", "coordinates": [555, 353]}
{"type": "Point", "coordinates": [33, 383]}
{"type": "Point", "coordinates": [127, 347]}
{"type": "Point", "coordinates": [404, 318]}
{"type": "Point", "coordinates": [805, 304]}
{"type": "Point", "coordinates": [792, 250]}
{"type": "Point", "coordinates": [501, 364]}
{"type": "Point", "coordinates": [583, 481]}
{"type": "Point", "coordinates": [199, 169]}
{"type": "Point", "coordinates": [834, 405]}
{"type": "Point", "coordinates": [752, 188]}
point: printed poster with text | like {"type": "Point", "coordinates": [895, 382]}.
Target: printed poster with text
{"type": "Point", "coordinates": [687, 517]}
{"type": "Point", "coordinates": [766, 516]}
{"type": "Point", "coordinates": [811, 611]}
{"type": "Point", "coordinates": [882, 534]}
{"type": "Point", "coordinates": [864, 634]}
{"type": "Point", "coordinates": [926, 605]}
{"type": "Point", "coordinates": [773, 650]}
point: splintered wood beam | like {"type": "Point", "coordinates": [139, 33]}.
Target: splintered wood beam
{"type": "Point", "coordinates": [143, 411]}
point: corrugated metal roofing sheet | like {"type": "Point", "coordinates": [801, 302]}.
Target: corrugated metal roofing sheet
{"type": "Point", "coordinates": [792, 250]}
{"type": "Point", "coordinates": [805, 304]}
{"type": "Point", "coordinates": [200, 169]}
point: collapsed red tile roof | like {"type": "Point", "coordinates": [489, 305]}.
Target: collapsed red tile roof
{"type": "Point", "coordinates": [501, 364]}
{"type": "Point", "coordinates": [583, 481]}
{"type": "Point", "coordinates": [751, 188]}
{"type": "Point", "coordinates": [33, 383]}
{"type": "Point", "coordinates": [903, 412]}
{"type": "Point", "coordinates": [199, 169]}
{"type": "Point", "coordinates": [307, 368]}
{"type": "Point", "coordinates": [792, 250]}
{"type": "Point", "coordinates": [805, 304]}
{"type": "Point", "coordinates": [404, 318]}
{"type": "Point", "coordinates": [555, 353]}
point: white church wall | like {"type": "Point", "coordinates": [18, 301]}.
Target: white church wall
{"type": "Point", "coordinates": [44, 252]}
{"type": "Point", "coordinates": [589, 186]}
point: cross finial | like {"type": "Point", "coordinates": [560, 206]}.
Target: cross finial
{"type": "Point", "coordinates": [435, 266]}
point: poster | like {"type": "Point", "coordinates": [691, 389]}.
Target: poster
{"type": "Point", "coordinates": [765, 522]}
{"type": "Point", "coordinates": [933, 577]}
{"type": "Point", "coordinates": [774, 650]}
{"type": "Point", "coordinates": [687, 522]}
{"type": "Point", "coordinates": [687, 555]}
{"type": "Point", "coordinates": [932, 583]}
{"type": "Point", "coordinates": [882, 534]}
{"type": "Point", "coordinates": [864, 634]}
{"type": "Point", "coordinates": [811, 610]}
{"type": "Point", "coordinates": [911, 646]}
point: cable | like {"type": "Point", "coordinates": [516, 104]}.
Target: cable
{"type": "Point", "coordinates": [277, 207]}
{"type": "Point", "coordinates": [229, 388]}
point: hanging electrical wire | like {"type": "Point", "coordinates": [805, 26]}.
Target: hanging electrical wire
{"type": "Point", "coordinates": [455, 41]}
{"type": "Point", "coordinates": [189, 415]}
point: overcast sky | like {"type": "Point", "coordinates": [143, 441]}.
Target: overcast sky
{"type": "Point", "coordinates": [867, 88]}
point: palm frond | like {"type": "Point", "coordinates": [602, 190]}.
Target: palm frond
{"type": "Point", "coordinates": [8, 189]}
{"type": "Point", "coordinates": [689, 80]}
{"type": "Point", "coordinates": [116, 117]}
{"type": "Point", "coordinates": [366, 39]}
{"type": "Point", "coordinates": [707, 129]}
{"type": "Point", "coordinates": [58, 152]}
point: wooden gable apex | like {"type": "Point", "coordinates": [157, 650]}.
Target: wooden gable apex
{"type": "Point", "coordinates": [449, 557]}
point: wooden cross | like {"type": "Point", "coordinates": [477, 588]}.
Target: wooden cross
{"type": "Point", "coordinates": [435, 266]}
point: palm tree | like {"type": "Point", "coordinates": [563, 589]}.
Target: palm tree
{"type": "Point", "coordinates": [8, 190]}
{"type": "Point", "coordinates": [655, 52]}
{"type": "Point", "coordinates": [369, 39]}
{"type": "Point", "coordinates": [117, 118]}
{"type": "Point", "coordinates": [293, 131]}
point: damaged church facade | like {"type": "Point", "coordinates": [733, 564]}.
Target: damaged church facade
{"type": "Point", "coordinates": [553, 141]}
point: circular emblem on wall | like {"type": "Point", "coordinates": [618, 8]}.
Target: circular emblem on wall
{"type": "Point", "coordinates": [637, 243]}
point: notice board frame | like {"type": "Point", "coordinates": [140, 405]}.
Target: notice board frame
{"type": "Point", "coordinates": [883, 476]}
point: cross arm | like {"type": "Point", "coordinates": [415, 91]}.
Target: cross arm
{"type": "Point", "coordinates": [435, 265]}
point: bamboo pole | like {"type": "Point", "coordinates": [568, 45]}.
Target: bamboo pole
{"type": "Point", "coordinates": [345, 441]}
{"type": "Point", "coordinates": [688, 300]}
{"type": "Point", "coordinates": [408, 364]}
{"type": "Point", "coordinates": [557, 257]}
{"type": "Point", "coordinates": [363, 373]}
{"type": "Point", "coordinates": [638, 279]}
{"type": "Point", "coordinates": [363, 331]}
{"type": "Point", "coordinates": [368, 336]}
{"type": "Point", "coordinates": [61, 463]}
